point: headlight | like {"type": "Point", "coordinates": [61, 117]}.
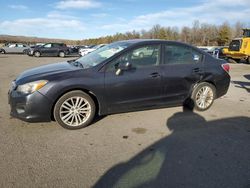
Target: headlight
{"type": "Point", "coordinates": [31, 86]}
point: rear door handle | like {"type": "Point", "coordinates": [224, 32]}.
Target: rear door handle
{"type": "Point", "coordinates": [155, 75]}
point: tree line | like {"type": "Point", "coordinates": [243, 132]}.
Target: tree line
{"type": "Point", "coordinates": [199, 34]}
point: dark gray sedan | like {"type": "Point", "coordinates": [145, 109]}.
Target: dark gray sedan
{"type": "Point", "coordinates": [116, 78]}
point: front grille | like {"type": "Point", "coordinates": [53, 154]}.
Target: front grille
{"type": "Point", "coordinates": [235, 45]}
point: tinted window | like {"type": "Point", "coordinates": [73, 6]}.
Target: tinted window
{"type": "Point", "coordinates": [235, 45]}
{"type": "Point", "coordinates": [98, 56]}
{"type": "Point", "coordinates": [179, 54]}
{"type": "Point", "coordinates": [56, 45]}
{"type": "Point", "coordinates": [47, 46]}
{"type": "Point", "coordinates": [140, 57]}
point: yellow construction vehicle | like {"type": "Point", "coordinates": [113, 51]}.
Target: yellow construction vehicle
{"type": "Point", "coordinates": [239, 48]}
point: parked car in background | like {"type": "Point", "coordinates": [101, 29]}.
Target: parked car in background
{"type": "Point", "coordinates": [31, 50]}
{"type": "Point", "coordinates": [216, 51]}
{"type": "Point", "coordinates": [86, 51]}
{"type": "Point", "coordinates": [15, 48]}
{"type": "Point", "coordinates": [147, 51]}
{"type": "Point", "coordinates": [75, 49]}
{"type": "Point", "coordinates": [115, 79]}
{"type": "Point", "coordinates": [82, 47]}
{"type": "Point", "coordinates": [204, 49]}
{"type": "Point", "coordinates": [50, 49]}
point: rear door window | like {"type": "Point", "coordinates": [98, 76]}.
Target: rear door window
{"type": "Point", "coordinates": [180, 54]}
{"type": "Point", "coordinates": [55, 45]}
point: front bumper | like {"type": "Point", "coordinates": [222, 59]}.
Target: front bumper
{"type": "Point", "coordinates": [34, 107]}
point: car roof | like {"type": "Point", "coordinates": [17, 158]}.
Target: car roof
{"type": "Point", "coordinates": [138, 41]}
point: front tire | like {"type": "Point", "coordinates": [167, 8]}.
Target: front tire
{"type": "Point", "coordinates": [74, 110]}
{"type": "Point", "coordinates": [37, 54]}
{"type": "Point", "coordinates": [25, 52]}
{"type": "Point", "coordinates": [2, 51]}
{"type": "Point", "coordinates": [203, 96]}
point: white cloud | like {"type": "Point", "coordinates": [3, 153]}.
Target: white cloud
{"type": "Point", "coordinates": [50, 26]}
{"type": "Point", "coordinates": [77, 4]}
{"type": "Point", "coordinates": [209, 12]}
{"type": "Point", "coordinates": [59, 24]}
{"type": "Point", "coordinates": [60, 15]}
{"type": "Point", "coordinates": [18, 7]}
{"type": "Point", "coordinates": [99, 15]}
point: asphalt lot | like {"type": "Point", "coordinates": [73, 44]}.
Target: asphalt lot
{"type": "Point", "coordinates": [157, 148]}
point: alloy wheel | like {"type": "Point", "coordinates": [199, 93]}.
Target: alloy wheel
{"type": "Point", "coordinates": [204, 97]}
{"type": "Point", "coordinates": [75, 111]}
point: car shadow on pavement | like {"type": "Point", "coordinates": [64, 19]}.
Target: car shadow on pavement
{"type": "Point", "coordinates": [98, 118]}
{"type": "Point", "coordinates": [243, 85]}
{"type": "Point", "coordinates": [247, 76]}
{"type": "Point", "coordinates": [197, 153]}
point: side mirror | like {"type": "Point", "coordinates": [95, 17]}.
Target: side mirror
{"type": "Point", "coordinates": [122, 68]}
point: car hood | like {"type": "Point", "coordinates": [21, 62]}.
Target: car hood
{"type": "Point", "coordinates": [43, 71]}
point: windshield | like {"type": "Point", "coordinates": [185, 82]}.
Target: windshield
{"type": "Point", "coordinates": [98, 56]}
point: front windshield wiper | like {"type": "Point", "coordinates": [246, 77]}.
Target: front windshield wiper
{"type": "Point", "coordinates": [72, 60]}
{"type": "Point", "coordinates": [75, 63]}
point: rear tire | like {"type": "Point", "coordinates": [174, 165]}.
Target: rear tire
{"type": "Point", "coordinates": [202, 96]}
{"type": "Point", "coordinates": [37, 54]}
{"type": "Point", "coordinates": [61, 54]}
{"type": "Point", "coordinates": [2, 51]}
{"type": "Point", "coordinates": [74, 110]}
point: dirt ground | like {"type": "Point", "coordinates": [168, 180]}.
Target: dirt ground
{"type": "Point", "coordinates": [168, 147]}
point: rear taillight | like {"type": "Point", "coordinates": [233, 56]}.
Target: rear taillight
{"type": "Point", "coordinates": [226, 67]}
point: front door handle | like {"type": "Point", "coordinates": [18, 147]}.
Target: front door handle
{"type": "Point", "coordinates": [197, 70]}
{"type": "Point", "coordinates": [155, 75]}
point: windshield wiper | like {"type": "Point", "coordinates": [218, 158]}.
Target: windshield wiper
{"type": "Point", "coordinates": [72, 60]}
{"type": "Point", "coordinates": [75, 63]}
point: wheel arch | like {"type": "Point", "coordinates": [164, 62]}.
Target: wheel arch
{"type": "Point", "coordinates": [205, 81]}
{"type": "Point", "coordinates": [189, 102]}
{"type": "Point", "coordinates": [37, 51]}
{"type": "Point", "coordinates": [59, 51]}
{"type": "Point", "coordinates": [202, 81]}
{"type": "Point", "coordinates": [90, 93]}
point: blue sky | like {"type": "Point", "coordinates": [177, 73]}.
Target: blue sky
{"type": "Point", "coordinates": [79, 19]}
